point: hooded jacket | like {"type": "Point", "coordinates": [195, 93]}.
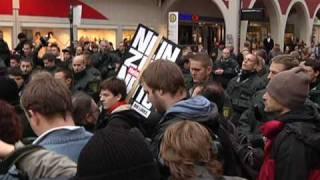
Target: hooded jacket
{"type": "Point", "coordinates": [197, 109]}
{"type": "Point", "coordinates": [293, 145]}
{"type": "Point", "coordinates": [203, 111]}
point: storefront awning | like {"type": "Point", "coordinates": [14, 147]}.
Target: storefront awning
{"type": "Point", "coordinates": [56, 8]}
{"type": "Point", "coordinates": [6, 7]}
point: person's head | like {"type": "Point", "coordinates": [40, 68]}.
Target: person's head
{"type": "Point", "coordinates": [221, 45]}
{"type": "Point", "coordinates": [94, 47]}
{"type": "Point", "coordinates": [113, 90]}
{"type": "Point", "coordinates": [47, 103]}
{"type": "Point", "coordinates": [1, 35]}
{"type": "Point", "coordinates": [10, 126]}
{"type": "Point", "coordinates": [85, 110]}
{"type": "Point", "coordinates": [87, 59]}
{"type": "Point", "coordinates": [27, 48]}
{"type": "Point", "coordinates": [105, 46]}
{"type": "Point", "coordinates": [186, 145]}
{"type": "Point", "coordinates": [226, 53]}
{"type": "Point", "coordinates": [16, 74]}
{"type": "Point", "coordinates": [79, 50]}
{"type": "Point", "coordinates": [200, 67]}
{"type": "Point", "coordinates": [213, 91]}
{"type": "Point", "coordinates": [86, 46]}
{"type": "Point", "coordinates": [250, 63]}
{"type": "Point", "coordinates": [37, 35]}
{"type": "Point", "coordinates": [14, 61]}
{"type": "Point", "coordinates": [49, 61]}
{"type": "Point", "coordinates": [121, 47]}
{"type": "Point", "coordinates": [246, 44]}
{"type": "Point", "coordinates": [261, 53]}
{"type": "Point", "coordinates": [282, 63]}
{"type": "Point", "coordinates": [67, 56]}
{"type": "Point", "coordinates": [287, 91]}
{"type": "Point", "coordinates": [9, 91]}
{"type": "Point", "coordinates": [78, 64]}
{"type": "Point", "coordinates": [54, 49]}
{"type": "Point", "coordinates": [163, 83]}
{"type": "Point", "coordinates": [26, 66]}
{"type": "Point", "coordinates": [50, 35]}
{"type": "Point", "coordinates": [114, 154]}
{"type": "Point", "coordinates": [22, 36]}
{"type": "Point", "coordinates": [312, 68]}
{"type": "Point", "coordinates": [65, 75]}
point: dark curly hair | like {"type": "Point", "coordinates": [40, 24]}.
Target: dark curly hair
{"type": "Point", "coordinates": [10, 125]}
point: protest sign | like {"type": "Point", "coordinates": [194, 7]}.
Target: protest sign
{"type": "Point", "coordinates": [147, 45]}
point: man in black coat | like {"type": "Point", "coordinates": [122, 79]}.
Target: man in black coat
{"type": "Point", "coordinates": [4, 51]}
{"type": "Point", "coordinates": [268, 43]}
{"type": "Point", "coordinates": [293, 138]}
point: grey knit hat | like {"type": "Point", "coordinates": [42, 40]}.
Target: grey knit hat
{"type": "Point", "coordinates": [290, 88]}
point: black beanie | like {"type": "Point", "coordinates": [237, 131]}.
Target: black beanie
{"type": "Point", "coordinates": [9, 90]}
{"type": "Point", "coordinates": [116, 154]}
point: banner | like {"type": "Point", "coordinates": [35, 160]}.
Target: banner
{"type": "Point", "coordinates": [173, 26]}
{"type": "Point", "coordinates": [77, 11]}
{"type": "Point", "coordinates": [147, 45]}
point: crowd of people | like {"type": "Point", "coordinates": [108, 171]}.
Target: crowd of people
{"type": "Point", "coordinates": [247, 115]}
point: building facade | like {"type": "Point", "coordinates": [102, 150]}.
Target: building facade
{"type": "Point", "coordinates": [217, 20]}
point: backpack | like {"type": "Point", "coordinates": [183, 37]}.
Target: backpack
{"type": "Point", "coordinates": [238, 156]}
{"type": "Point", "coordinates": [314, 173]}
{"type": "Point", "coordinates": [270, 164]}
{"type": "Point", "coordinates": [17, 155]}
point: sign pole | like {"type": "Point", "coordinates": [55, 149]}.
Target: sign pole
{"type": "Point", "coordinates": [148, 61]}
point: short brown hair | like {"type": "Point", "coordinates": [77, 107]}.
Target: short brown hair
{"type": "Point", "coordinates": [115, 86]}
{"type": "Point", "coordinates": [47, 96]}
{"type": "Point", "coordinates": [203, 58]}
{"type": "Point", "coordinates": [185, 145]}
{"type": "Point", "coordinates": [288, 61]}
{"type": "Point", "coordinates": [164, 75]}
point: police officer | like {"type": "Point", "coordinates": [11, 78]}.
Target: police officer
{"type": "Point", "coordinates": [242, 87]}
{"type": "Point", "coordinates": [84, 81]}
{"type": "Point", "coordinates": [225, 68]}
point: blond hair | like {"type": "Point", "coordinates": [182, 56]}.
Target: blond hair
{"type": "Point", "coordinates": [185, 145]}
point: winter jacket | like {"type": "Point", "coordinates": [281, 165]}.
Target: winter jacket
{"type": "Point", "coordinates": [241, 89]}
{"type": "Point", "coordinates": [197, 109]}
{"type": "Point", "coordinates": [4, 53]}
{"type": "Point", "coordinates": [230, 69]}
{"type": "Point", "coordinates": [65, 141]}
{"type": "Point", "coordinates": [201, 110]}
{"type": "Point", "coordinates": [293, 147]}
{"type": "Point", "coordinates": [251, 120]}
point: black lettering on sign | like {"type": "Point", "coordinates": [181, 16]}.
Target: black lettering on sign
{"type": "Point", "coordinates": [142, 45]}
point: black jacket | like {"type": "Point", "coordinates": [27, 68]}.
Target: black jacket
{"type": "Point", "coordinates": [296, 149]}
{"type": "Point", "coordinates": [4, 52]}
{"type": "Point", "coordinates": [251, 119]}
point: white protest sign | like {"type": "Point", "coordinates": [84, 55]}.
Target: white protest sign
{"type": "Point", "coordinates": [147, 45]}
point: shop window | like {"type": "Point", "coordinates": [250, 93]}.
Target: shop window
{"type": "Point", "coordinates": [128, 34]}
{"type": "Point", "coordinates": [59, 36]}
{"type": "Point", "coordinates": [96, 35]}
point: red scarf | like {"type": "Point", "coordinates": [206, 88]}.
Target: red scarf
{"type": "Point", "coordinates": [116, 105]}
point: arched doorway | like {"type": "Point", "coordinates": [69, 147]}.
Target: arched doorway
{"type": "Point", "coordinates": [200, 24]}
{"type": "Point", "coordinates": [297, 25]}
{"type": "Point", "coordinates": [316, 27]}
{"type": "Point", "coordinates": [257, 31]}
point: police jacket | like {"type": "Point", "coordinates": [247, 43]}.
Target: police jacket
{"type": "Point", "coordinates": [87, 83]}
{"type": "Point", "coordinates": [241, 88]}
